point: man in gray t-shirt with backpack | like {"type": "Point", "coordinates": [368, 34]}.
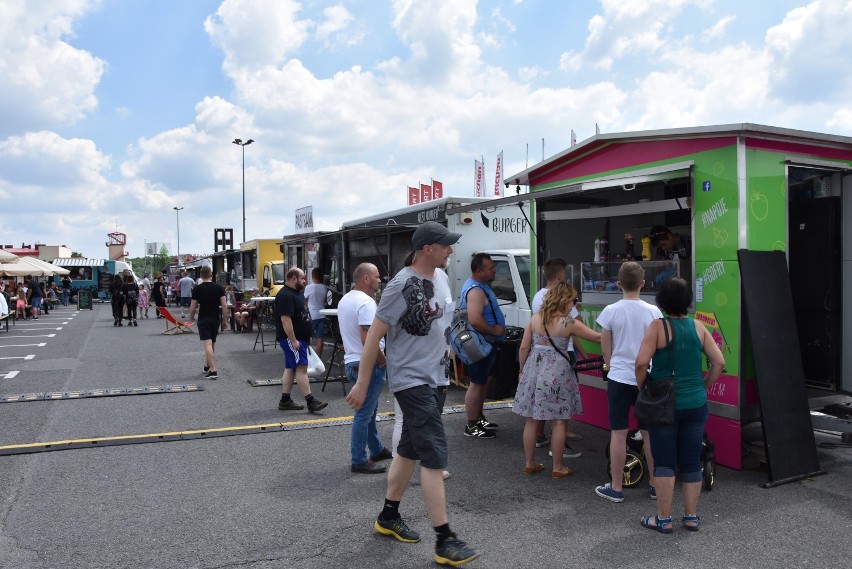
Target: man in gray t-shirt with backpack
{"type": "Point", "coordinates": [415, 312]}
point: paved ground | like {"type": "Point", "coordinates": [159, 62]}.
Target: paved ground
{"type": "Point", "coordinates": [285, 497]}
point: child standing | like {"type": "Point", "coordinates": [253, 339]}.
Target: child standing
{"type": "Point", "coordinates": [623, 327]}
{"type": "Point", "coordinates": [21, 303]}
{"type": "Point", "coordinates": [144, 303]}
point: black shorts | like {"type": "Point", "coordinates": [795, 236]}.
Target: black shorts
{"type": "Point", "coordinates": [423, 436]}
{"type": "Point", "coordinates": [208, 329]}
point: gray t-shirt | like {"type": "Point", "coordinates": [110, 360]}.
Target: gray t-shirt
{"type": "Point", "coordinates": [419, 311]}
{"type": "Point", "coordinates": [186, 285]}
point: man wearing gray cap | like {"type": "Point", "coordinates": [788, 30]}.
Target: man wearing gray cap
{"type": "Point", "coordinates": [415, 310]}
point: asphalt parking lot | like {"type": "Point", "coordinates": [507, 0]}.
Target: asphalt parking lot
{"type": "Point", "coordinates": [283, 496]}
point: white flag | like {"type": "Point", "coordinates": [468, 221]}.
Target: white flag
{"type": "Point", "coordinates": [498, 176]}
{"type": "Point", "coordinates": [479, 172]}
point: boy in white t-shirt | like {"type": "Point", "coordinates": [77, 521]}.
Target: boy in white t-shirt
{"type": "Point", "coordinates": [623, 327]}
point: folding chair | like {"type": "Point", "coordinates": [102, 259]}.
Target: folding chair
{"type": "Point", "coordinates": [177, 327]}
{"type": "Point", "coordinates": [336, 358]}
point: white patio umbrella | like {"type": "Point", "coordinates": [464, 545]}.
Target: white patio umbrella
{"type": "Point", "coordinates": [45, 268]}
{"type": "Point", "coordinates": [31, 266]}
{"type": "Point", "coordinates": [16, 270]}
{"type": "Point", "coordinates": [7, 257]}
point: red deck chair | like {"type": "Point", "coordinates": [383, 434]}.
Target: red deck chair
{"type": "Point", "coordinates": [177, 326]}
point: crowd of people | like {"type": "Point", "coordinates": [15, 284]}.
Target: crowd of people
{"type": "Point", "coordinates": [28, 299]}
{"type": "Point", "coordinates": [402, 342]}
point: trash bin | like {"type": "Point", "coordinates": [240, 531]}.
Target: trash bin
{"type": "Point", "coordinates": [504, 383]}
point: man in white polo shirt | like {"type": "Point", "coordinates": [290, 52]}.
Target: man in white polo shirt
{"type": "Point", "coordinates": [355, 313]}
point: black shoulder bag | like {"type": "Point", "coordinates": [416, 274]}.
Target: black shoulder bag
{"type": "Point", "coordinates": [655, 403]}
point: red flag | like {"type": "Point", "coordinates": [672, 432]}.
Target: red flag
{"type": "Point", "coordinates": [413, 196]}
{"type": "Point", "coordinates": [425, 193]}
{"type": "Point", "coordinates": [437, 189]}
{"type": "Point", "coordinates": [479, 169]}
{"type": "Point", "coordinates": [498, 176]}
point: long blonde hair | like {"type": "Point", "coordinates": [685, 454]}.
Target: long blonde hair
{"type": "Point", "coordinates": [557, 302]}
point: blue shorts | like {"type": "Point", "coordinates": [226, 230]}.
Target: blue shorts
{"type": "Point", "coordinates": [185, 301]}
{"type": "Point", "coordinates": [319, 327]}
{"type": "Point", "coordinates": [620, 397]}
{"type": "Point", "coordinates": [35, 302]}
{"type": "Point", "coordinates": [481, 370]}
{"type": "Point", "coordinates": [293, 359]}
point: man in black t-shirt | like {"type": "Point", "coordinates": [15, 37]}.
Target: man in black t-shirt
{"type": "Point", "coordinates": [293, 330]}
{"type": "Point", "coordinates": [208, 299]}
{"type": "Point", "coordinates": [34, 296]}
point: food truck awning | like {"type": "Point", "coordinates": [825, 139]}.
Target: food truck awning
{"type": "Point", "coordinates": [78, 262]}
{"type": "Point", "coordinates": [625, 180]}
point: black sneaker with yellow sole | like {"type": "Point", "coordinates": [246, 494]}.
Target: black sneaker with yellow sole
{"type": "Point", "coordinates": [396, 528]}
{"type": "Point", "coordinates": [454, 552]}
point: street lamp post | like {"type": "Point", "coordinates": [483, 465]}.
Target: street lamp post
{"type": "Point", "coordinates": [239, 142]}
{"type": "Point", "coordinates": [177, 216]}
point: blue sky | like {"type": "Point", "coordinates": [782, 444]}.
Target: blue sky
{"type": "Point", "coordinates": [114, 112]}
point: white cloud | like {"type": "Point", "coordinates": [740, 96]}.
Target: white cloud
{"type": "Point", "coordinates": [339, 30]}
{"type": "Point", "coordinates": [809, 50]}
{"type": "Point", "coordinates": [717, 30]}
{"type": "Point", "coordinates": [45, 159]}
{"type": "Point", "coordinates": [349, 139]}
{"type": "Point", "coordinates": [840, 120]}
{"type": "Point", "coordinates": [529, 74]}
{"type": "Point", "coordinates": [44, 81]}
{"type": "Point", "coordinates": [256, 33]}
{"type": "Point", "coordinates": [626, 27]}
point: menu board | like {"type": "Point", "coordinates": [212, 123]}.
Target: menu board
{"type": "Point", "coordinates": [84, 299]}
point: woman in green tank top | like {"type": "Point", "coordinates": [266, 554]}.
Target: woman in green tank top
{"type": "Point", "coordinates": [678, 446]}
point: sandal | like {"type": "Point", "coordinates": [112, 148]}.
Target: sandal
{"type": "Point", "coordinates": [565, 472]}
{"type": "Point", "coordinates": [691, 519]}
{"type": "Point", "coordinates": [658, 524]}
{"type": "Point", "coordinates": [533, 469]}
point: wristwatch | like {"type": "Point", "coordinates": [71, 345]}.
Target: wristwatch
{"type": "Point", "coordinates": [605, 367]}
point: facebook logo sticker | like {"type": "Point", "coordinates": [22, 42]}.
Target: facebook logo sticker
{"type": "Point", "coordinates": [705, 186]}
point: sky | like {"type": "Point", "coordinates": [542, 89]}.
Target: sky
{"type": "Point", "coordinates": [115, 112]}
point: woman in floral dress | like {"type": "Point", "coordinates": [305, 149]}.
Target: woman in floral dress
{"type": "Point", "coordinates": [548, 388]}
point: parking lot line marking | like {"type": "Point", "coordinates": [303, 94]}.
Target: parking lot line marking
{"type": "Point", "coordinates": [100, 392]}
{"type": "Point", "coordinates": [29, 357]}
{"type": "Point", "coordinates": [43, 344]}
{"type": "Point", "coordinates": [195, 434]}
{"type": "Point", "coordinates": [10, 374]}
{"type": "Point", "coordinates": [32, 336]}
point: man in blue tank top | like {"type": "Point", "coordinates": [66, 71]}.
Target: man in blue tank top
{"type": "Point", "coordinates": [486, 318]}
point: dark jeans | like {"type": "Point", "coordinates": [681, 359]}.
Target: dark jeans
{"type": "Point", "coordinates": [679, 445]}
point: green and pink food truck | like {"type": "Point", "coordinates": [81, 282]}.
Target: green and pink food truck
{"type": "Point", "coordinates": [722, 189]}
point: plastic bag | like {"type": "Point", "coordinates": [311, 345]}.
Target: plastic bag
{"type": "Point", "coordinates": [315, 365]}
